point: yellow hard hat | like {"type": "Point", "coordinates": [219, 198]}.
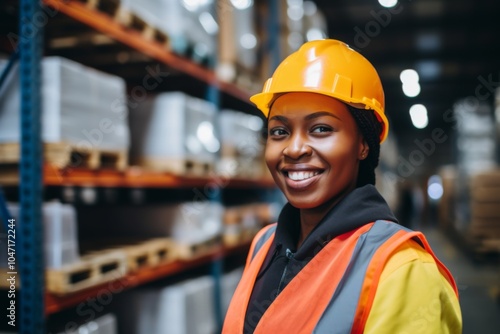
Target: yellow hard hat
{"type": "Point", "coordinates": [331, 68]}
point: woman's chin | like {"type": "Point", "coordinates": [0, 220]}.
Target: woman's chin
{"type": "Point", "coordinates": [303, 203]}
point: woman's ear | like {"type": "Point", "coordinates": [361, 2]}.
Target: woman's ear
{"type": "Point", "coordinates": [364, 149]}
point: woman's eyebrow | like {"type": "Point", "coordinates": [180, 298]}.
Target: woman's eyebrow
{"type": "Point", "coordinates": [320, 114]}
{"type": "Point", "coordinates": [279, 118]}
{"type": "Point", "coordinates": [307, 118]}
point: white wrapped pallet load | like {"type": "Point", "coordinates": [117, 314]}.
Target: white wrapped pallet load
{"type": "Point", "coordinates": [106, 324]}
{"type": "Point", "coordinates": [196, 225]}
{"type": "Point", "coordinates": [476, 137]}
{"type": "Point", "coordinates": [201, 28]}
{"type": "Point", "coordinates": [237, 43]}
{"type": "Point", "coordinates": [242, 146]}
{"type": "Point", "coordinates": [80, 106]}
{"type": "Point", "coordinates": [174, 132]}
{"type": "Point", "coordinates": [165, 15]}
{"type": "Point", "coordinates": [60, 240]}
{"type": "Point", "coordinates": [188, 24]}
{"type": "Point", "coordinates": [183, 308]}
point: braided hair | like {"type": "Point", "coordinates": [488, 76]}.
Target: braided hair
{"type": "Point", "coordinates": [370, 128]}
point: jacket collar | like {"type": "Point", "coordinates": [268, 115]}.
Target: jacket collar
{"type": "Point", "coordinates": [361, 206]}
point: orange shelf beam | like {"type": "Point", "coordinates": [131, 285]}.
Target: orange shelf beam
{"type": "Point", "coordinates": [55, 303]}
{"type": "Point", "coordinates": [137, 178]}
{"type": "Point", "coordinates": [105, 24]}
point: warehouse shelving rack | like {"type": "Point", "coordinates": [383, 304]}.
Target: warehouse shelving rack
{"type": "Point", "coordinates": [34, 303]}
{"type": "Point", "coordinates": [56, 303]}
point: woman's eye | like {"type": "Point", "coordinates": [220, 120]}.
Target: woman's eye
{"type": "Point", "coordinates": [277, 132]}
{"type": "Point", "coordinates": [321, 129]}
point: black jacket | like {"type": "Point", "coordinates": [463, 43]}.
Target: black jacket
{"type": "Point", "coordinates": [283, 261]}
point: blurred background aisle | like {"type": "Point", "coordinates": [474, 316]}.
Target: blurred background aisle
{"type": "Point", "coordinates": [477, 281]}
{"type": "Point", "coordinates": [141, 178]}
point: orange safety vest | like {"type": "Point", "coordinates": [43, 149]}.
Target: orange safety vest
{"type": "Point", "coordinates": [334, 292]}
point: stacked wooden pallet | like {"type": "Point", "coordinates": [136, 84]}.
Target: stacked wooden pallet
{"type": "Point", "coordinates": [241, 223]}
{"type": "Point", "coordinates": [126, 17]}
{"type": "Point", "coordinates": [119, 259]}
{"type": "Point", "coordinates": [62, 156]}
{"type": "Point", "coordinates": [91, 270]}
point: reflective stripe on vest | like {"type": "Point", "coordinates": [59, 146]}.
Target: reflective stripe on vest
{"type": "Point", "coordinates": [341, 280]}
{"type": "Point", "coordinates": [339, 316]}
{"type": "Point", "coordinates": [263, 238]}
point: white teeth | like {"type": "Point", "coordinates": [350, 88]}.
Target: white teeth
{"type": "Point", "coordinates": [299, 176]}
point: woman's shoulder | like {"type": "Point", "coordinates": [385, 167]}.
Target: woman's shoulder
{"type": "Point", "coordinates": [409, 254]}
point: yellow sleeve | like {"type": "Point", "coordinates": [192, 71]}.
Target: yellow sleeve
{"type": "Point", "coordinates": [413, 297]}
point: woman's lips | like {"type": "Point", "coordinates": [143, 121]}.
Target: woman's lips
{"type": "Point", "coordinates": [300, 180]}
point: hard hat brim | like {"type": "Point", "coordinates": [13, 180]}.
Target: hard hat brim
{"type": "Point", "coordinates": [263, 101]}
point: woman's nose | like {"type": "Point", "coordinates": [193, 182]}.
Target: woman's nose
{"type": "Point", "coordinates": [297, 147]}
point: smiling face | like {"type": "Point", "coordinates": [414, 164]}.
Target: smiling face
{"type": "Point", "coordinates": [313, 149]}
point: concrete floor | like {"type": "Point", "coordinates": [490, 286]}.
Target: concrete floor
{"type": "Point", "coordinates": [478, 283]}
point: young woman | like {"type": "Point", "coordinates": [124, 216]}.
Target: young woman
{"type": "Point", "coordinates": [336, 261]}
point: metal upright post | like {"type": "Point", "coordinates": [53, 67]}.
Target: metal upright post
{"type": "Point", "coordinates": [31, 311]}
{"type": "Point", "coordinates": [216, 267]}
{"type": "Point", "coordinates": [274, 33]}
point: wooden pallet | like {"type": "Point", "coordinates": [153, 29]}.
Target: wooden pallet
{"type": "Point", "coordinates": [65, 155]}
{"type": "Point", "coordinates": [178, 166]}
{"type": "Point", "coordinates": [186, 251]}
{"type": "Point", "coordinates": [150, 253]}
{"type": "Point", "coordinates": [485, 227]}
{"type": "Point", "coordinates": [129, 19]}
{"type": "Point", "coordinates": [486, 179]}
{"type": "Point", "coordinates": [4, 283]}
{"type": "Point", "coordinates": [91, 270]}
{"type": "Point", "coordinates": [9, 174]}
{"type": "Point", "coordinates": [487, 246]}
{"type": "Point", "coordinates": [143, 253]}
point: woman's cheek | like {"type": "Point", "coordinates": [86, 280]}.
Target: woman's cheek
{"type": "Point", "coordinates": [270, 154]}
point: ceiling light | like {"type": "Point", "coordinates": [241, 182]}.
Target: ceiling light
{"type": "Point", "coordinates": [409, 76]}
{"type": "Point", "coordinates": [435, 187]}
{"type": "Point", "coordinates": [418, 114]}
{"type": "Point", "coordinates": [411, 89]}
{"type": "Point", "coordinates": [388, 3]}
